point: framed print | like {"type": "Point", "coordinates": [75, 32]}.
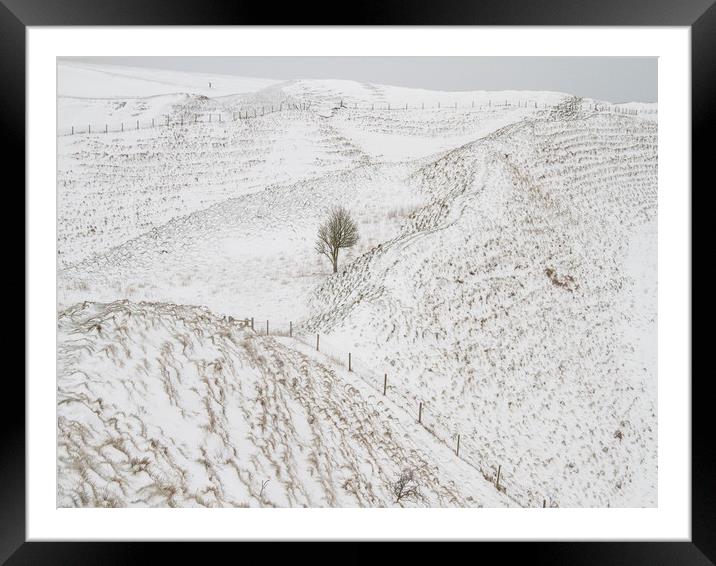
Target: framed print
{"type": "Point", "coordinates": [423, 275]}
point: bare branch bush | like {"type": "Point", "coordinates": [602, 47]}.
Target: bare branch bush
{"type": "Point", "coordinates": [338, 231]}
{"type": "Point", "coordinates": [406, 486]}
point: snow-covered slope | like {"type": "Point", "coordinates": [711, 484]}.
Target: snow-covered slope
{"type": "Point", "coordinates": [505, 277]}
{"type": "Point", "coordinates": [90, 80]}
{"type": "Point", "coordinates": [510, 303]}
{"type": "Point", "coordinates": [146, 177]}
{"type": "Point", "coordinates": [165, 405]}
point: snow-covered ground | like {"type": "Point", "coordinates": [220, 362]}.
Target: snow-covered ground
{"type": "Point", "coordinates": [505, 278]}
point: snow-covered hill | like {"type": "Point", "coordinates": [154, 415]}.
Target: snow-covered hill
{"type": "Point", "coordinates": [92, 81]}
{"type": "Point", "coordinates": [505, 277]}
{"type": "Point", "coordinates": [512, 300]}
{"type": "Point", "coordinates": [166, 405]}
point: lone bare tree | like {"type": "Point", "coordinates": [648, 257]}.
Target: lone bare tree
{"type": "Point", "coordinates": [338, 231]}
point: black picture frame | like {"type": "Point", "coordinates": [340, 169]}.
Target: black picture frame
{"type": "Point", "coordinates": [17, 15]}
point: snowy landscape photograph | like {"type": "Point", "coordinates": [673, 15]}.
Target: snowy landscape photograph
{"type": "Point", "coordinates": [357, 282]}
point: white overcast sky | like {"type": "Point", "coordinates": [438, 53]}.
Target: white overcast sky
{"type": "Point", "coordinates": [616, 79]}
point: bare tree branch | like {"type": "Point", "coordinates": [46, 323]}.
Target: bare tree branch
{"type": "Point", "coordinates": [406, 486]}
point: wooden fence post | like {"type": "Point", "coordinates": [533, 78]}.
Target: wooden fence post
{"type": "Point", "coordinates": [349, 362]}
{"type": "Point", "coordinates": [420, 412]}
{"type": "Point", "coordinates": [317, 342]}
{"type": "Point", "coordinates": [89, 128]}
{"type": "Point", "coordinates": [105, 128]}
{"type": "Point", "coordinates": [385, 382]}
{"type": "Point", "coordinates": [267, 330]}
{"type": "Point", "coordinates": [137, 124]}
{"type": "Point", "coordinates": [544, 503]}
{"type": "Point", "coordinates": [122, 126]}
{"type": "Point", "coordinates": [497, 483]}
{"type": "Point", "coordinates": [457, 450]}
{"type": "Point", "coordinates": [290, 329]}
{"type": "Point", "coordinates": [252, 323]}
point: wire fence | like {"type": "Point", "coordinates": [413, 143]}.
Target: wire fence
{"type": "Point", "coordinates": [189, 118]}
{"type": "Point", "coordinates": [185, 118]}
{"type": "Point", "coordinates": [438, 425]}
{"type": "Point", "coordinates": [491, 104]}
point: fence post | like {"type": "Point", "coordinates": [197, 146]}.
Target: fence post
{"type": "Point", "coordinates": [497, 483]}
{"type": "Point", "coordinates": [385, 382]}
{"type": "Point", "coordinates": [317, 342]}
{"type": "Point", "coordinates": [89, 128]}
{"type": "Point", "coordinates": [252, 323]}
{"type": "Point", "coordinates": [544, 503]}
{"type": "Point", "coordinates": [73, 130]}
{"type": "Point", "coordinates": [290, 329]}
{"type": "Point", "coordinates": [457, 450]}
{"type": "Point", "coordinates": [137, 124]}
{"type": "Point", "coordinates": [420, 412]}
{"type": "Point", "coordinates": [349, 362]}
{"type": "Point", "coordinates": [122, 126]}
{"type": "Point", "coordinates": [267, 330]}
{"type": "Point", "coordinates": [105, 128]}
{"type": "Point", "coordinates": [152, 122]}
